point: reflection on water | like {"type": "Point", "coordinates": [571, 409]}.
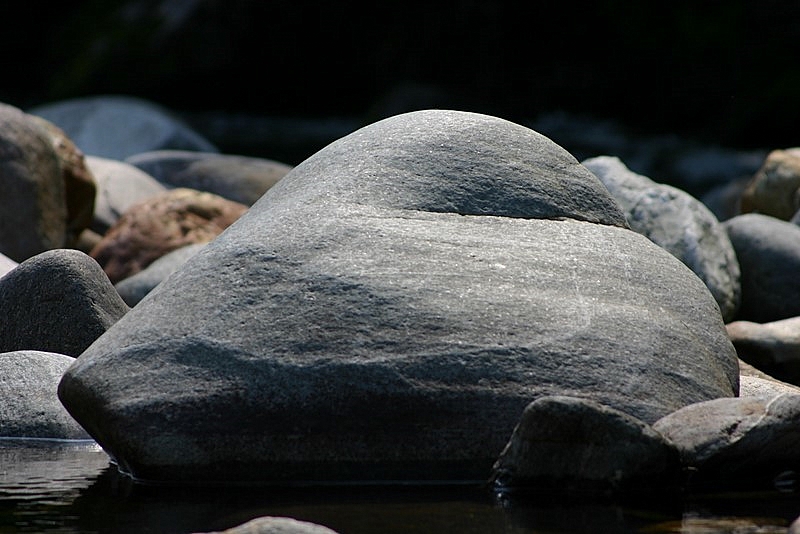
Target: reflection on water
{"type": "Point", "coordinates": [71, 487]}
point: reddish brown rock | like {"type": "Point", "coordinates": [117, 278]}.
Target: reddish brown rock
{"type": "Point", "coordinates": [79, 184]}
{"type": "Point", "coordinates": [774, 188]}
{"type": "Point", "coordinates": [161, 224]}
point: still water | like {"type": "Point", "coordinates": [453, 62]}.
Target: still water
{"type": "Point", "coordinates": [71, 487]}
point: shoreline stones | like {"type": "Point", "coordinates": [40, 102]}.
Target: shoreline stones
{"type": "Point", "coordinates": [579, 445]}
{"type": "Point", "coordinates": [388, 310]}
{"type": "Point", "coordinates": [738, 443]}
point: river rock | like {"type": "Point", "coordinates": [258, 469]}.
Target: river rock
{"type": "Point", "coordinates": [768, 250]}
{"type": "Point", "coordinates": [677, 222]}
{"type": "Point", "coordinates": [161, 224]}
{"type": "Point", "coordinates": [134, 288]}
{"type": "Point", "coordinates": [239, 178]}
{"type": "Point", "coordinates": [119, 186]}
{"type": "Point", "coordinates": [79, 184]}
{"type": "Point", "coordinates": [772, 347]}
{"type": "Point", "coordinates": [736, 443]}
{"type": "Point", "coordinates": [578, 444]}
{"type": "Point", "coordinates": [116, 126]}
{"type": "Point", "coordinates": [29, 406]}
{"type": "Point", "coordinates": [390, 307]}
{"type": "Point", "coordinates": [34, 214]}
{"type": "Point", "coordinates": [774, 188]}
{"type": "Point", "coordinates": [277, 525]}
{"type": "Point", "coordinates": [57, 301]}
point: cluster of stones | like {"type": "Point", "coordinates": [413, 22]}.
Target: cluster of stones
{"type": "Point", "coordinates": [438, 296]}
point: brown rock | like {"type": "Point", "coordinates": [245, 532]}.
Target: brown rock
{"type": "Point", "coordinates": [34, 214]}
{"type": "Point", "coordinates": [79, 184]}
{"type": "Point", "coordinates": [161, 224]}
{"type": "Point", "coordinates": [773, 189]}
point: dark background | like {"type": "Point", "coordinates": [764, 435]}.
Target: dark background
{"type": "Point", "coordinates": [726, 72]}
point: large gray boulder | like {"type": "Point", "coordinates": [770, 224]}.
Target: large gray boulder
{"type": "Point", "coordinates": [390, 307]}
{"type": "Point", "coordinates": [679, 223]}
{"type": "Point", "coordinates": [769, 258]}
{"type": "Point", "coordinates": [29, 406]}
{"type": "Point", "coordinates": [57, 301]}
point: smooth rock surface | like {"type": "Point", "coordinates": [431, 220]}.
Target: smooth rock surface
{"type": "Point", "coordinates": [119, 187]}
{"type": "Point", "coordinates": [239, 178]}
{"type": "Point", "coordinates": [568, 444]}
{"type": "Point", "coordinates": [768, 250]}
{"type": "Point", "coordinates": [29, 406]}
{"type": "Point", "coordinates": [57, 301]}
{"type": "Point", "coordinates": [680, 224]}
{"type": "Point", "coordinates": [389, 308]}
{"type": "Point", "coordinates": [118, 126]}
{"type": "Point", "coordinates": [748, 442]}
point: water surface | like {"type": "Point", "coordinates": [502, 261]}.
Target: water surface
{"type": "Point", "coordinates": [71, 487]}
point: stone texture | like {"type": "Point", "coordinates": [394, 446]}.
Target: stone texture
{"type": "Point", "coordinates": [116, 127]}
{"type": "Point", "coordinates": [57, 301]}
{"type": "Point", "coordinates": [774, 188]}
{"type": "Point", "coordinates": [119, 186]}
{"type": "Point", "coordinates": [569, 444]}
{"type": "Point", "coordinates": [768, 250]}
{"type": "Point", "coordinates": [277, 525]}
{"type": "Point", "coordinates": [737, 443]}
{"type": "Point", "coordinates": [29, 406]}
{"type": "Point", "coordinates": [753, 386]}
{"type": "Point", "coordinates": [34, 214]}
{"type": "Point", "coordinates": [680, 224]}
{"type": "Point", "coordinates": [79, 184]}
{"type": "Point", "coordinates": [389, 308]}
{"type": "Point", "coordinates": [772, 347]}
{"type": "Point", "coordinates": [239, 178]}
{"type": "Point", "coordinates": [134, 288]}
{"type": "Point", "coordinates": [161, 224]}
